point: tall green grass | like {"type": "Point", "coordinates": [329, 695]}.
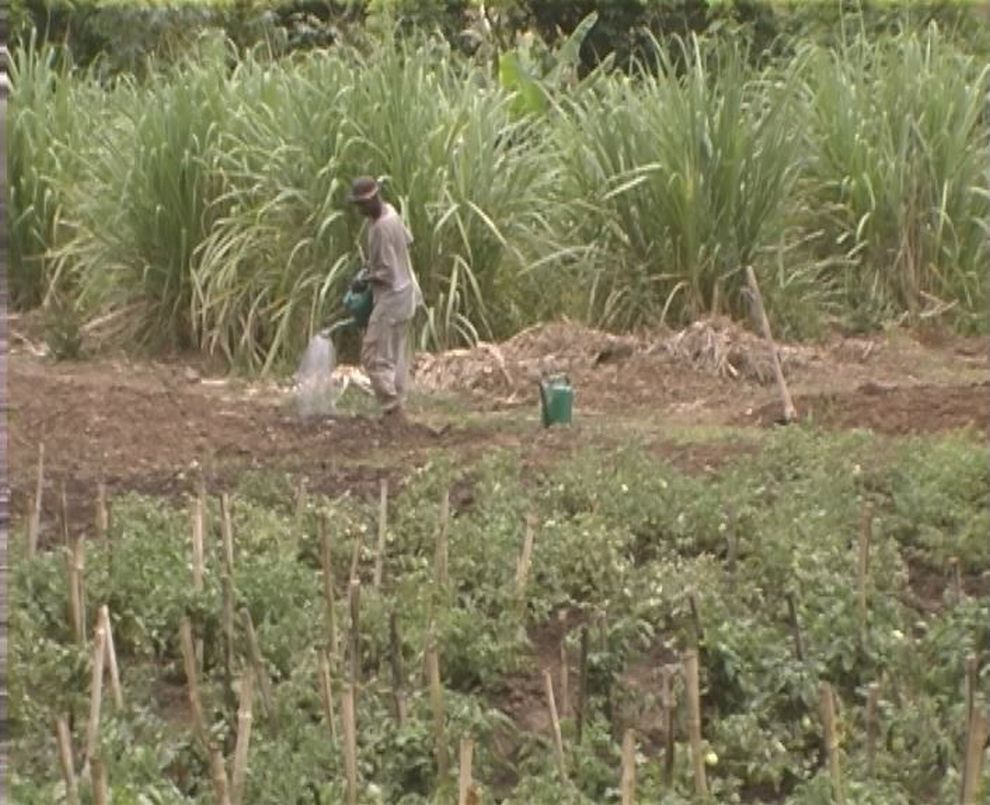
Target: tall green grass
{"type": "Point", "coordinates": [898, 172]}
{"type": "Point", "coordinates": [203, 207]}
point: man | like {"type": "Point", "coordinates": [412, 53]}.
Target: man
{"type": "Point", "coordinates": [396, 294]}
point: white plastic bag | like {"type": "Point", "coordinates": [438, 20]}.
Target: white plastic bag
{"type": "Point", "coordinates": [316, 389]}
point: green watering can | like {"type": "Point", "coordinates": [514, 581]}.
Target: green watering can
{"type": "Point", "coordinates": [556, 400]}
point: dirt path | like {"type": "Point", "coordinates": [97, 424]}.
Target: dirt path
{"type": "Point", "coordinates": [145, 426]}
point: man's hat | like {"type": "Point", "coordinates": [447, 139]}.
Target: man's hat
{"type": "Point", "coordinates": [362, 189]}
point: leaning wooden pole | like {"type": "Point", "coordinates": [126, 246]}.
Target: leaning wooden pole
{"type": "Point", "coordinates": [627, 782]}
{"type": "Point", "coordinates": [64, 741]}
{"type": "Point", "coordinates": [558, 740]}
{"type": "Point", "coordinates": [976, 741]}
{"type": "Point", "coordinates": [96, 692]}
{"type": "Point", "coordinates": [790, 413]}
{"type": "Point", "coordinates": [239, 773]}
{"type": "Point", "coordinates": [382, 534]}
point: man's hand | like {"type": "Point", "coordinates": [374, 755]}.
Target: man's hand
{"type": "Point", "coordinates": [360, 283]}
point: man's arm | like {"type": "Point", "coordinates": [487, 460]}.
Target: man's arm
{"type": "Point", "coordinates": [379, 271]}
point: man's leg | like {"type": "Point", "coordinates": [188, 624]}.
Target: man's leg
{"type": "Point", "coordinates": [378, 362]}
{"type": "Point", "coordinates": [402, 360]}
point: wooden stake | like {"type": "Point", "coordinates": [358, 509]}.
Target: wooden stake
{"type": "Point", "coordinates": [440, 555]}
{"type": "Point", "coordinates": [356, 556]}
{"type": "Point", "coordinates": [350, 743]}
{"type": "Point", "coordinates": [699, 632]}
{"type": "Point", "coordinates": [227, 584]}
{"type": "Point", "coordinates": [382, 531]}
{"type": "Point", "coordinates": [220, 789]}
{"type": "Point", "coordinates": [63, 512]}
{"type": "Point", "coordinates": [790, 414]}
{"type": "Point", "coordinates": [957, 585]}
{"type": "Point", "coordinates": [116, 690]}
{"type": "Point", "coordinates": [34, 521]}
{"type": "Point", "coordinates": [64, 741]}
{"type": "Point", "coordinates": [329, 597]}
{"type": "Point", "coordinates": [732, 543]}
{"type": "Point", "coordinates": [300, 502]}
{"type": "Point", "coordinates": [77, 565]}
{"type": "Point", "coordinates": [98, 779]}
{"type": "Point", "coordinates": [102, 513]}
{"type": "Point", "coordinates": [792, 615]}
{"type": "Point", "coordinates": [192, 680]}
{"type": "Point", "coordinates": [628, 780]}
{"type": "Point", "coordinates": [976, 739]}
{"type": "Point", "coordinates": [694, 721]}
{"type": "Point", "coordinates": [582, 683]}
{"type": "Point", "coordinates": [227, 533]}
{"type": "Point", "coordinates": [831, 741]}
{"type": "Point", "coordinates": [863, 567]}
{"type": "Point", "coordinates": [243, 737]}
{"type": "Point", "coordinates": [354, 601]}
{"type": "Point", "coordinates": [872, 706]}
{"type": "Point", "coordinates": [558, 741]}
{"type": "Point", "coordinates": [326, 694]}
{"type": "Point", "coordinates": [464, 777]}
{"type": "Point", "coordinates": [198, 558]}
{"type": "Point", "coordinates": [972, 670]}
{"type": "Point", "coordinates": [436, 703]}
{"type": "Point", "coordinates": [258, 661]}
{"type": "Point", "coordinates": [564, 678]}
{"type": "Point", "coordinates": [525, 558]}
{"type": "Point", "coordinates": [667, 705]}
{"type": "Point", "coordinates": [398, 675]}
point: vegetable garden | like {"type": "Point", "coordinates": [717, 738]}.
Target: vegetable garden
{"type": "Point", "coordinates": [670, 601]}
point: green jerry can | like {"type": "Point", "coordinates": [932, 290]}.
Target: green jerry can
{"type": "Point", "coordinates": [556, 401]}
{"type": "Point", "coordinates": [359, 306]}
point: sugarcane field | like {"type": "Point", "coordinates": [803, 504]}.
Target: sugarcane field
{"type": "Point", "coordinates": [450, 403]}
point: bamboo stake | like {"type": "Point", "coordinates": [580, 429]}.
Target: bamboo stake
{"type": "Point", "coordinates": [972, 669]}
{"type": "Point", "coordinates": [628, 780]}
{"type": "Point", "coordinates": [98, 776]}
{"type": "Point", "coordinates": [300, 507]}
{"type": "Point", "coordinates": [350, 743]}
{"type": "Point", "coordinates": [790, 414]}
{"type": "Point", "coordinates": [354, 600]}
{"type": "Point", "coordinates": [464, 781]}
{"type": "Point", "coordinates": [64, 741]}
{"type": "Point", "coordinates": [329, 596]}
{"type": "Point", "coordinates": [831, 741]}
{"type": "Point", "coordinates": [356, 556]}
{"type": "Point", "coordinates": [192, 680]}
{"type": "Point", "coordinates": [221, 790]}
{"type": "Point", "coordinates": [564, 678]}
{"type": "Point", "coordinates": [227, 585]}
{"type": "Point", "coordinates": [525, 558]}
{"type": "Point", "coordinates": [732, 544]}
{"type": "Point", "coordinates": [63, 512]}
{"type": "Point", "coordinates": [102, 513]}
{"type": "Point", "coordinates": [694, 721]}
{"type": "Point", "coordinates": [441, 556]}
{"type": "Point", "coordinates": [382, 531]}
{"type": "Point", "coordinates": [326, 694]}
{"type": "Point", "coordinates": [667, 705]}
{"type": "Point", "coordinates": [258, 661]}
{"type": "Point", "coordinates": [34, 521]}
{"type": "Point", "coordinates": [198, 558]}
{"type": "Point", "coordinates": [957, 585]}
{"type": "Point", "coordinates": [398, 675]}
{"type": "Point", "coordinates": [111, 657]}
{"type": "Point", "coordinates": [558, 741]}
{"type": "Point", "coordinates": [582, 683]}
{"type": "Point", "coordinates": [436, 704]}
{"type": "Point", "coordinates": [863, 568]}
{"type": "Point", "coordinates": [872, 706]}
{"type": "Point", "coordinates": [975, 751]}
{"type": "Point", "coordinates": [792, 616]}
{"type": "Point", "coordinates": [227, 532]}
{"type": "Point", "coordinates": [699, 632]}
{"type": "Point", "coordinates": [77, 564]}
{"type": "Point", "coordinates": [243, 738]}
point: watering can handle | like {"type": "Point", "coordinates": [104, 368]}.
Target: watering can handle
{"type": "Point", "coordinates": [543, 392]}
